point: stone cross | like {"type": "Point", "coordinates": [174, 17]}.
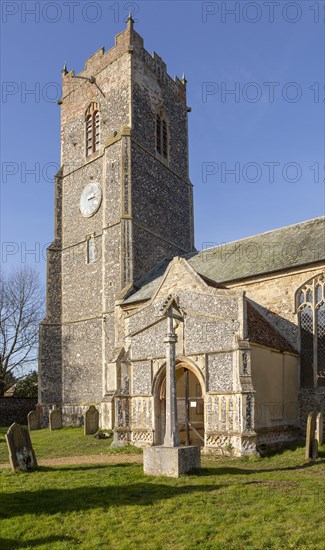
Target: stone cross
{"type": "Point", "coordinates": [171, 459]}
{"type": "Point", "coordinates": [91, 421]}
{"type": "Point", "coordinates": [171, 311]}
{"type": "Point", "coordinates": [311, 442]}
{"type": "Point", "coordinates": [21, 453]}
{"type": "Point", "coordinates": [55, 419]}
{"type": "Point", "coordinates": [319, 429]}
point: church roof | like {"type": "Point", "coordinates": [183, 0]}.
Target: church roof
{"type": "Point", "coordinates": [274, 251]}
{"type": "Point", "coordinates": [277, 250]}
{"type": "Point", "coordinates": [262, 332]}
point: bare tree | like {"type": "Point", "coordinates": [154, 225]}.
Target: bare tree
{"type": "Point", "coordinates": [21, 310]}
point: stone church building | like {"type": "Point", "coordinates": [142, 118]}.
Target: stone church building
{"type": "Point", "coordinates": [251, 335]}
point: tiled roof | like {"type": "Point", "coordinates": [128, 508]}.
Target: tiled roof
{"type": "Point", "coordinates": [278, 250]}
{"type": "Point", "coordinates": [147, 285]}
{"type": "Point", "coordinates": [262, 332]}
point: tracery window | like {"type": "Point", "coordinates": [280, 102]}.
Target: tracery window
{"type": "Point", "coordinates": [92, 128]}
{"type": "Point", "coordinates": [162, 135]}
{"type": "Point", "coordinates": [310, 305]}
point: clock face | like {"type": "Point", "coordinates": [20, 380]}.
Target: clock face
{"type": "Point", "coordinates": [90, 199]}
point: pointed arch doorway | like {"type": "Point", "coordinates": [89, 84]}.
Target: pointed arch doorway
{"type": "Point", "coordinates": [190, 405]}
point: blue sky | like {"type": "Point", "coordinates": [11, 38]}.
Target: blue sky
{"type": "Point", "coordinates": [270, 132]}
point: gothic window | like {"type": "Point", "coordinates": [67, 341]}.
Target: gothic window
{"type": "Point", "coordinates": [310, 304]}
{"type": "Point", "coordinates": [161, 135]}
{"type": "Point", "coordinates": [92, 128]}
{"type": "Point", "coordinates": [90, 241]}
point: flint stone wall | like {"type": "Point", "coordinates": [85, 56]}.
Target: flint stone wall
{"type": "Point", "coordinates": [73, 415]}
{"type": "Point", "coordinates": [82, 361]}
{"type": "Point", "coordinates": [142, 377]}
{"type": "Point", "coordinates": [16, 409]}
{"type": "Point", "coordinates": [150, 342]}
{"type": "Point", "coordinates": [50, 364]}
{"type": "Point", "coordinates": [220, 372]}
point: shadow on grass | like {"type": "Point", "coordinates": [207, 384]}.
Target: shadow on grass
{"type": "Point", "coordinates": [321, 452]}
{"type": "Point", "coordinates": [84, 467]}
{"type": "Point", "coordinates": [52, 501]}
{"type": "Point", "coordinates": [9, 544]}
{"type": "Point", "coordinates": [245, 471]}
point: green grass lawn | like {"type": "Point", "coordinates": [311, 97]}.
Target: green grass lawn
{"type": "Point", "coordinates": [66, 442]}
{"type": "Point", "coordinates": [251, 503]}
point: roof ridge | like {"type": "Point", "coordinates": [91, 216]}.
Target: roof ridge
{"type": "Point", "coordinates": [192, 254]}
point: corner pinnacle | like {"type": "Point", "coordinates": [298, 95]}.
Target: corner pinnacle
{"type": "Point", "coordinates": [130, 22]}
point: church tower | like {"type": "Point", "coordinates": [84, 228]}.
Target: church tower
{"type": "Point", "coordinates": [123, 202]}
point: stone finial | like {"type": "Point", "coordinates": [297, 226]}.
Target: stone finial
{"type": "Point", "coordinates": [183, 79]}
{"type": "Point", "coordinates": [64, 69]}
{"type": "Point", "coordinates": [130, 22]}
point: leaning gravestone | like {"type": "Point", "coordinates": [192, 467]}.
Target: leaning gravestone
{"type": "Point", "coordinates": [319, 429]}
{"type": "Point", "coordinates": [33, 420]}
{"type": "Point", "coordinates": [91, 421]}
{"type": "Point", "coordinates": [55, 419]}
{"type": "Point", "coordinates": [21, 453]}
{"type": "Point", "coordinates": [311, 451]}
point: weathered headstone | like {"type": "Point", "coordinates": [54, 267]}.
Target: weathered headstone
{"type": "Point", "coordinates": [55, 419]}
{"type": "Point", "coordinates": [319, 429]}
{"type": "Point", "coordinates": [21, 453]}
{"type": "Point", "coordinates": [310, 436]}
{"type": "Point", "coordinates": [33, 420]}
{"type": "Point", "coordinates": [91, 421]}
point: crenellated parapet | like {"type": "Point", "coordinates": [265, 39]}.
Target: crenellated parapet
{"type": "Point", "coordinates": [159, 67]}
{"type": "Point", "coordinates": [128, 41]}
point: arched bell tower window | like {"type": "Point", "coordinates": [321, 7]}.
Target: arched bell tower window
{"type": "Point", "coordinates": [310, 305]}
{"type": "Point", "coordinates": [92, 128]}
{"type": "Point", "coordinates": [162, 134]}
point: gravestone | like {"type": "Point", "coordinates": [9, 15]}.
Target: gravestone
{"type": "Point", "coordinates": [314, 449]}
{"type": "Point", "coordinates": [91, 421]}
{"type": "Point", "coordinates": [310, 450]}
{"type": "Point", "coordinates": [21, 453]}
{"type": "Point", "coordinates": [55, 419]}
{"type": "Point", "coordinates": [319, 429]}
{"type": "Point", "coordinates": [34, 420]}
